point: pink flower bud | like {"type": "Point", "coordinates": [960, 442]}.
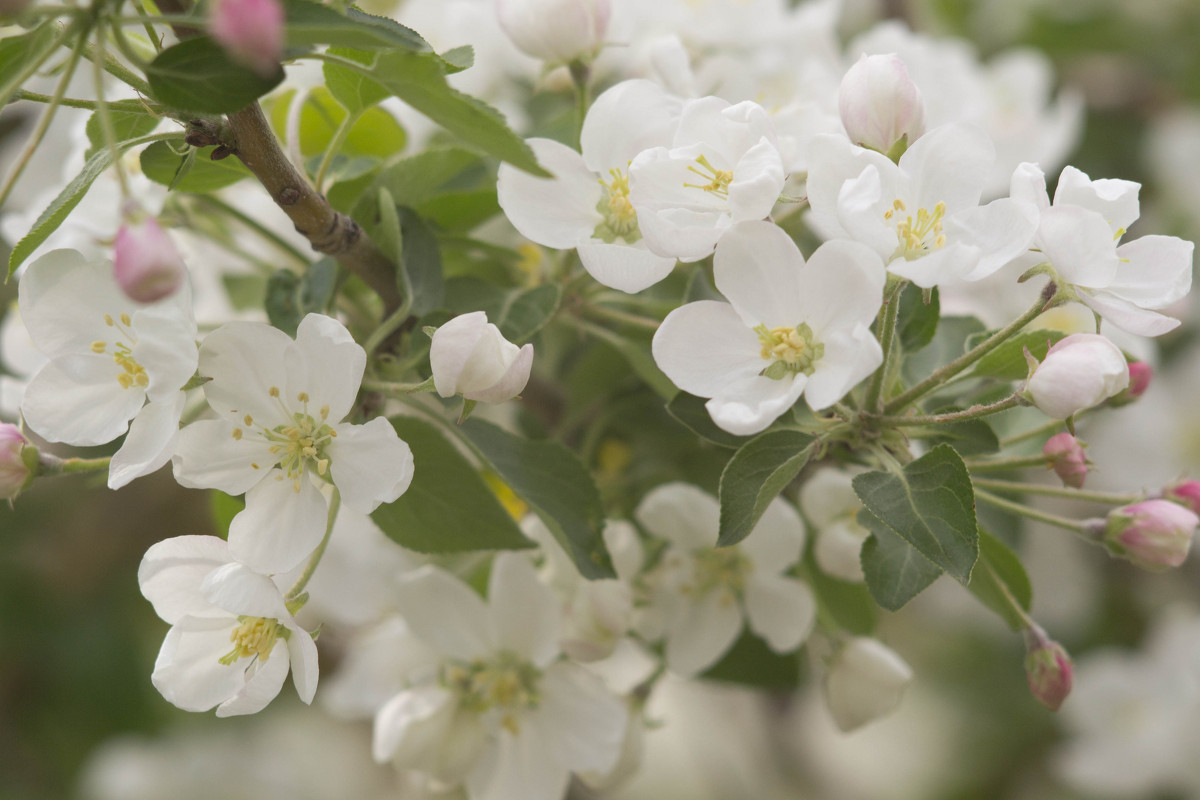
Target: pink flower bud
{"type": "Point", "coordinates": [14, 467]}
{"type": "Point", "coordinates": [251, 31]}
{"type": "Point", "coordinates": [556, 31]}
{"type": "Point", "coordinates": [880, 105]}
{"type": "Point", "coordinates": [1048, 668]}
{"type": "Point", "coordinates": [146, 264]}
{"type": "Point", "coordinates": [1064, 454]}
{"type": "Point", "coordinates": [1140, 374]}
{"type": "Point", "coordinates": [1153, 534]}
{"type": "Point", "coordinates": [1186, 493]}
{"type": "Point", "coordinates": [1081, 371]}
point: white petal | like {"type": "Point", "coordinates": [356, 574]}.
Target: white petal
{"type": "Point", "coordinates": [751, 405]}
{"type": "Point", "coordinates": [63, 299]}
{"type": "Point", "coordinates": [777, 539]}
{"type": "Point", "coordinates": [683, 233]}
{"type": "Point", "coordinates": [188, 671]}
{"type": "Point", "coordinates": [1154, 271]}
{"type": "Point", "coordinates": [757, 181]}
{"type": "Point", "coordinates": [77, 400]}
{"type": "Point", "coordinates": [244, 360]}
{"type": "Point", "coordinates": [949, 164]}
{"type": "Point", "coordinates": [445, 613]}
{"type": "Point", "coordinates": [704, 346]}
{"type": "Point", "coordinates": [511, 383]}
{"type": "Point", "coordinates": [840, 287]}
{"type": "Point", "coordinates": [243, 592]}
{"type": "Point", "coordinates": [520, 769]}
{"type": "Point", "coordinates": [335, 366]}
{"type": "Point", "coordinates": [1127, 316]}
{"type": "Point", "coordinates": [681, 514]}
{"type": "Point", "coordinates": [827, 495]}
{"type": "Point", "coordinates": [166, 347]}
{"type": "Point", "coordinates": [756, 267]}
{"type": "Point", "coordinates": [780, 610]}
{"type": "Point", "coordinates": [208, 457]}
{"type": "Point", "coordinates": [558, 212]}
{"type": "Point", "coordinates": [706, 629]}
{"type": "Point", "coordinates": [1001, 230]}
{"type": "Point", "coordinates": [263, 682]}
{"type": "Point", "coordinates": [370, 464]}
{"type": "Point", "coordinates": [833, 161]}
{"type": "Point", "coordinates": [524, 611]}
{"type": "Point", "coordinates": [453, 345]}
{"type": "Point", "coordinates": [1079, 244]}
{"type": "Point", "coordinates": [1115, 200]}
{"type": "Point", "coordinates": [849, 358]}
{"type": "Point", "coordinates": [412, 726]}
{"type": "Point", "coordinates": [626, 267]}
{"type": "Point", "coordinates": [150, 441]}
{"type": "Point", "coordinates": [609, 141]}
{"type": "Point", "coordinates": [171, 573]}
{"type": "Point", "coordinates": [838, 549]}
{"type": "Point", "coordinates": [1028, 185]}
{"type": "Point", "coordinates": [946, 265]}
{"type": "Point", "coordinates": [585, 723]}
{"type": "Point", "coordinates": [279, 527]}
{"type": "Point", "coordinates": [864, 202]}
{"type": "Point", "coordinates": [302, 653]}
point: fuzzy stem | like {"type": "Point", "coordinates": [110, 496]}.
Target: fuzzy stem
{"type": "Point", "coordinates": [1006, 464]}
{"type": "Point", "coordinates": [954, 416]}
{"type": "Point", "coordinates": [1031, 513]}
{"type": "Point", "coordinates": [1057, 491]}
{"type": "Point", "coordinates": [335, 502]}
{"type": "Point", "coordinates": [887, 334]}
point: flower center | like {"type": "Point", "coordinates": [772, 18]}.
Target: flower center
{"type": "Point", "coordinates": [620, 218]}
{"type": "Point", "coordinates": [297, 446]}
{"type": "Point", "coordinates": [132, 373]}
{"type": "Point", "coordinates": [790, 350]}
{"type": "Point", "coordinates": [718, 180]}
{"type": "Point", "coordinates": [920, 236]}
{"type": "Point", "coordinates": [719, 568]}
{"type": "Point", "coordinates": [507, 684]}
{"type": "Point", "coordinates": [254, 638]}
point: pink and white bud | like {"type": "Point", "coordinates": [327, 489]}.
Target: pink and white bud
{"type": "Point", "coordinates": [469, 356]}
{"type": "Point", "coordinates": [865, 682]}
{"type": "Point", "coordinates": [1186, 493]}
{"type": "Point", "coordinates": [1064, 454]}
{"type": "Point", "coordinates": [1153, 534]}
{"type": "Point", "coordinates": [1081, 371]}
{"type": "Point", "coordinates": [251, 31]}
{"type": "Point", "coordinates": [555, 31]}
{"type": "Point", "coordinates": [146, 264]}
{"type": "Point", "coordinates": [1048, 668]}
{"type": "Point", "coordinates": [14, 465]}
{"type": "Point", "coordinates": [1140, 375]}
{"type": "Point", "coordinates": [881, 107]}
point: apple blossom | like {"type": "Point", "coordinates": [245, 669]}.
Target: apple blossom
{"type": "Point", "coordinates": [469, 356]}
{"type": "Point", "coordinates": [830, 504]}
{"type": "Point", "coordinates": [864, 682]}
{"type": "Point", "coordinates": [556, 31]}
{"type": "Point", "coordinates": [14, 469]}
{"type": "Point", "coordinates": [880, 105]}
{"type": "Point", "coordinates": [251, 31]}
{"type": "Point", "coordinates": [789, 328]}
{"type": "Point", "coordinates": [1140, 375]}
{"type": "Point", "coordinates": [278, 437]}
{"type": "Point", "coordinates": [1064, 454]}
{"type": "Point", "coordinates": [1048, 668]}
{"type": "Point", "coordinates": [1153, 534]}
{"type": "Point", "coordinates": [1078, 372]}
{"type": "Point", "coordinates": [146, 264]}
{"type": "Point", "coordinates": [232, 637]}
{"type": "Point", "coordinates": [112, 361]}
{"type": "Point", "coordinates": [1186, 493]}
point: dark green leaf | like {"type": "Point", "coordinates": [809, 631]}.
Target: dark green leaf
{"type": "Point", "coordinates": [518, 313]}
{"type": "Point", "coordinates": [752, 663]}
{"type": "Point", "coordinates": [848, 604]}
{"type": "Point", "coordinates": [1007, 362]}
{"type": "Point", "coordinates": [692, 413]}
{"type": "Point", "coordinates": [130, 120]}
{"type": "Point", "coordinates": [918, 322]}
{"type": "Point", "coordinates": [193, 172]}
{"type": "Point", "coordinates": [999, 577]}
{"type": "Point", "coordinates": [637, 355]}
{"type": "Point", "coordinates": [970, 437]}
{"type": "Point", "coordinates": [313, 23]}
{"type": "Point", "coordinates": [755, 475]}
{"type": "Point", "coordinates": [555, 484]}
{"type": "Point", "coordinates": [460, 212]}
{"type": "Point", "coordinates": [895, 572]}
{"type": "Point", "coordinates": [17, 53]}
{"type": "Point", "coordinates": [448, 508]}
{"type": "Point", "coordinates": [931, 506]}
{"type": "Point", "coordinates": [420, 264]}
{"type": "Point", "coordinates": [291, 296]}
{"type": "Point", "coordinates": [947, 344]}
{"type": "Point", "coordinates": [198, 75]}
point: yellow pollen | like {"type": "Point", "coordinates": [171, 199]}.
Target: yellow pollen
{"type": "Point", "coordinates": [718, 179]}
{"type": "Point", "coordinates": [254, 466]}
{"type": "Point", "coordinates": [126, 321]}
{"type": "Point", "coordinates": [324, 413]}
{"type": "Point", "coordinates": [784, 344]}
{"type": "Point", "coordinates": [108, 320]}
{"type": "Point", "coordinates": [237, 433]}
{"type": "Point", "coordinates": [322, 466]}
{"type": "Point", "coordinates": [254, 638]}
{"type": "Point", "coordinates": [302, 397]}
{"type": "Point", "coordinates": [273, 391]}
{"type": "Point", "coordinates": [918, 236]}
{"type": "Point", "coordinates": [99, 346]}
{"type": "Point", "coordinates": [249, 420]}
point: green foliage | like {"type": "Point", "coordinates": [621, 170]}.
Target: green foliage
{"type": "Point", "coordinates": [353, 90]}
{"type": "Point", "coordinates": [970, 437]}
{"type": "Point", "coordinates": [312, 23]}
{"type": "Point", "coordinates": [691, 412]}
{"type": "Point", "coordinates": [751, 662]}
{"type": "Point", "coordinates": [448, 508]}
{"type": "Point", "coordinates": [999, 580]}
{"type": "Point", "coordinates": [374, 133]}
{"type": "Point", "coordinates": [755, 475]}
{"type": "Point", "coordinates": [17, 53]}
{"type": "Point", "coordinates": [849, 605]}
{"type": "Point", "coordinates": [198, 75]}
{"type": "Point", "coordinates": [918, 320]}
{"type": "Point", "coordinates": [129, 119]}
{"type": "Point", "coordinates": [1007, 362]}
{"type": "Point", "coordinates": [518, 313]}
{"type": "Point", "coordinates": [895, 572]}
{"type": "Point", "coordinates": [290, 296]}
{"type": "Point", "coordinates": [408, 241]}
{"type": "Point", "coordinates": [194, 171]}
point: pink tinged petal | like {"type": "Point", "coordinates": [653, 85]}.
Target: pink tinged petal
{"type": "Point", "coordinates": [413, 726]}
{"type": "Point", "coordinates": [244, 360]}
{"type": "Point", "coordinates": [1028, 185]}
{"type": "Point", "coordinates": [627, 268]}
{"type": "Point", "coordinates": [511, 384]}
{"type": "Point", "coordinates": [150, 442]}
{"type": "Point", "coordinates": [703, 633]}
{"type": "Point", "coordinates": [302, 653]}
{"type": "Point", "coordinates": [849, 358]}
{"type": "Point", "coordinates": [77, 400]}
{"type": "Point", "coordinates": [584, 722]}
{"type": "Point", "coordinates": [1080, 245]}
{"type": "Point", "coordinates": [751, 405]}
{"type": "Point", "coordinates": [840, 287]}
{"type": "Point", "coordinates": [757, 181]}
{"type": "Point", "coordinates": [608, 140]}
{"type": "Point", "coordinates": [63, 299]}
{"type": "Point", "coordinates": [1001, 230]}
{"type": "Point", "coordinates": [949, 164]}
{"type": "Point", "coordinates": [558, 212]}
{"type": "Point", "coordinates": [445, 613]}
{"type": "Point", "coordinates": [207, 456]}
{"type": "Point", "coordinates": [780, 610]}
{"type": "Point", "coordinates": [704, 346]}
{"type": "Point", "coordinates": [166, 347]}
{"type": "Point", "coordinates": [524, 612]}
{"type": "Point", "coordinates": [264, 679]}
{"type": "Point", "coordinates": [243, 592]}
{"type": "Point", "coordinates": [1128, 317]}
{"type": "Point", "coordinates": [188, 672]}
{"type": "Point", "coordinates": [1115, 200]}
{"type": "Point", "coordinates": [833, 161]}
{"type": "Point", "coordinates": [756, 267]}
{"type": "Point", "coordinates": [681, 514]}
{"type": "Point", "coordinates": [777, 540]}
{"type": "Point", "coordinates": [171, 573]}
{"type": "Point", "coordinates": [335, 366]}
{"type": "Point", "coordinates": [520, 769]}
{"type": "Point", "coordinates": [279, 527]}
{"type": "Point", "coordinates": [864, 202]}
{"type": "Point", "coordinates": [1154, 271]}
{"type": "Point", "coordinates": [369, 464]}
{"type": "Point", "coordinates": [946, 265]}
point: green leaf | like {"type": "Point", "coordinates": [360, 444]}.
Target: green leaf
{"type": "Point", "coordinates": [555, 484]}
{"type": "Point", "coordinates": [355, 91]}
{"type": "Point", "coordinates": [193, 172]}
{"type": "Point", "coordinates": [693, 415]}
{"type": "Point", "coordinates": [895, 572]}
{"type": "Point", "coordinates": [459, 58]}
{"type": "Point", "coordinates": [416, 179]}
{"type": "Point", "coordinates": [754, 476]}
{"type": "Point", "coordinates": [637, 355]}
{"type": "Point", "coordinates": [918, 322]}
{"type": "Point", "coordinates": [518, 313]}
{"type": "Point", "coordinates": [448, 508]}
{"type": "Point", "coordinates": [947, 345]}
{"type": "Point", "coordinates": [970, 437]}
{"type": "Point", "coordinates": [18, 52]}
{"type": "Point", "coordinates": [849, 605]}
{"type": "Point", "coordinates": [130, 120]}
{"type": "Point", "coordinates": [998, 576]}
{"type": "Point", "coordinates": [290, 296]}
{"type": "Point", "coordinates": [931, 506]}
{"type": "Point", "coordinates": [312, 23]}
{"type": "Point", "coordinates": [198, 75]}
{"type": "Point", "coordinates": [752, 663]}
{"type": "Point", "coordinates": [374, 134]}
{"type": "Point", "coordinates": [420, 263]}
{"type": "Point", "coordinates": [224, 508]}
{"type": "Point", "coordinates": [460, 212]}
{"type": "Point", "coordinates": [62, 205]}
{"type": "Point", "coordinates": [1007, 362]}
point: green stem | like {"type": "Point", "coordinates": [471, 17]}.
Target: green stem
{"type": "Point", "coordinates": [624, 317]}
{"type": "Point", "coordinates": [1031, 513]}
{"type": "Point", "coordinates": [395, 388]}
{"type": "Point", "coordinates": [50, 466]}
{"type": "Point", "coordinates": [64, 32]}
{"type": "Point", "coordinates": [335, 502]}
{"type": "Point", "coordinates": [1041, 430]}
{"type": "Point", "coordinates": [581, 76]}
{"type": "Point", "coordinates": [126, 48]}
{"type": "Point", "coordinates": [940, 375]}
{"type": "Point", "coordinates": [954, 416]}
{"type": "Point", "coordinates": [387, 327]}
{"type": "Point", "coordinates": [106, 123]}
{"type": "Point", "coordinates": [1006, 464]}
{"type": "Point", "coordinates": [69, 102]}
{"type": "Point", "coordinates": [887, 333]}
{"type": "Point", "coordinates": [1111, 498]}
{"type": "Point", "coordinates": [118, 70]}
{"type": "Point", "coordinates": [334, 146]}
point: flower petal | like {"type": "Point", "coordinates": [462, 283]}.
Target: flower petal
{"type": "Point", "coordinates": [628, 268]}
{"type": "Point", "coordinates": [524, 612]}
{"type": "Point", "coordinates": [704, 346]}
{"type": "Point", "coordinates": [244, 360]}
{"type": "Point", "coordinates": [166, 347]}
{"type": "Point", "coordinates": [413, 726]}
{"type": "Point", "coordinates": [188, 671]}
{"type": "Point", "coordinates": [370, 464]}
{"type": "Point", "coordinates": [706, 629]}
{"type": "Point", "coordinates": [681, 514]}
{"type": "Point", "coordinates": [243, 592]}
{"type": "Point", "coordinates": [512, 383]}
{"type": "Point", "coordinates": [850, 356]}
{"type": "Point", "coordinates": [445, 613]}
{"type": "Point", "coordinates": [207, 456]}
{"type": "Point", "coordinates": [150, 441]}
{"type": "Point", "coordinates": [781, 610]}
{"type": "Point", "coordinates": [584, 722]}
{"type": "Point", "coordinates": [949, 164]}
{"type": "Point", "coordinates": [171, 573]}
{"type": "Point", "coordinates": [520, 768]}
{"type": "Point", "coordinates": [558, 212]}
{"type": "Point", "coordinates": [1154, 271]}
{"type": "Point", "coordinates": [756, 266]}
{"type": "Point", "coordinates": [777, 540]}
{"type": "Point", "coordinates": [282, 523]}
{"type": "Point", "coordinates": [840, 287]}
{"type": "Point", "coordinates": [335, 364]}
{"type": "Point", "coordinates": [609, 141]}
{"type": "Point", "coordinates": [1113, 199]}
{"type": "Point", "coordinates": [77, 400]}
{"type": "Point", "coordinates": [1079, 243]}
{"type": "Point", "coordinates": [1001, 230]}
{"type": "Point", "coordinates": [302, 653]}
{"type": "Point", "coordinates": [1128, 317]}
{"type": "Point", "coordinates": [751, 405]}
{"type": "Point", "coordinates": [263, 682]}
{"type": "Point", "coordinates": [63, 298]}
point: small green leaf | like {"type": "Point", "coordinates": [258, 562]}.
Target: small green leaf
{"type": "Point", "coordinates": [693, 415]}
{"type": "Point", "coordinates": [947, 345]}
{"type": "Point", "coordinates": [130, 120]}
{"type": "Point", "coordinates": [355, 91]}
{"type": "Point", "coordinates": [752, 663]}
{"type": "Point", "coordinates": [895, 572]}
{"type": "Point", "coordinates": [448, 508]}
{"type": "Point", "coordinates": [312, 23]}
{"type": "Point", "coordinates": [420, 263]}
{"type": "Point", "coordinates": [415, 179]}
{"type": "Point", "coordinates": [291, 296]}
{"type": "Point", "coordinates": [193, 172]}
{"type": "Point", "coordinates": [970, 437]}
{"type": "Point", "coordinates": [998, 576]}
{"type": "Point", "coordinates": [459, 58]}
{"type": "Point", "coordinates": [555, 484]}
{"type": "Point", "coordinates": [374, 134]}
{"type": "Point", "coordinates": [849, 605]}
{"type": "Point", "coordinates": [518, 313]}
{"type": "Point", "coordinates": [931, 506]}
{"type": "Point", "coordinates": [755, 475]}
{"type": "Point", "coordinates": [18, 52]}
{"type": "Point", "coordinates": [1007, 362]}
{"type": "Point", "coordinates": [198, 75]}
{"type": "Point", "coordinates": [918, 322]}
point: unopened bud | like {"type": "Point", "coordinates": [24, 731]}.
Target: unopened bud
{"type": "Point", "coordinates": [1153, 534]}
{"type": "Point", "coordinates": [865, 682]}
{"type": "Point", "coordinates": [1186, 493]}
{"type": "Point", "coordinates": [251, 31]}
{"type": "Point", "coordinates": [881, 107]}
{"type": "Point", "coordinates": [146, 264]}
{"type": "Point", "coordinates": [555, 31]}
{"type": "Point", "coordinates": [469, 356]}
{"type": "Point", "coordinates": [1064, 454]}
{"type": "Point", "coordinates": [1081, 371]}
{"type": "Point", "coordinates": [1140, 374]}
{"type": "Point", "coordinates": [1048, 668]}
{"type": "Point", "coordinates": [15, 468]}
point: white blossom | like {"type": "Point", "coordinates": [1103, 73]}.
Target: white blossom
{"type": "Point", "coordinates": [1078, 372]}
{"type": "Point", "coordinates": [469, 356]}
{"type": "Point", "coordinates": [557, 31]}
{"type": "Point", "coordinates": [831, 506]}
{"type": "Point", "coordinates": [865, 682]}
